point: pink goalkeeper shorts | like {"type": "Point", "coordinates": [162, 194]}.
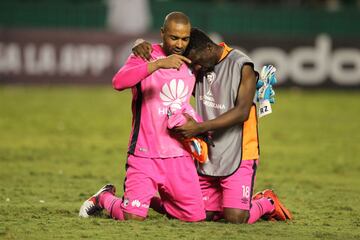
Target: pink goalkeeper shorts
{"type": "Point", "coordinates": [174, 178]}
{"type": "Point", "coordinates": [234, 191]}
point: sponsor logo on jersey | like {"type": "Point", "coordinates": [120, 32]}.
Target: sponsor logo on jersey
{"type": "Point", "coordinates": [173, 95]}
{"type": "Point", "coordinates": [135, 203]}
{"type": "Point", "coordinates": [244, 200]}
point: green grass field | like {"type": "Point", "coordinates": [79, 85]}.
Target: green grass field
{"type": "Point", "coordinates": [59, 145]}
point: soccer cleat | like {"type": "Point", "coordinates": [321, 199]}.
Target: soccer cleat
{"type": "Point", "coordinates": [257, 196]}
{"type": "Point", "coordinates": [280, 213]}
{"type": "Point", "coordinates": [91, 206]}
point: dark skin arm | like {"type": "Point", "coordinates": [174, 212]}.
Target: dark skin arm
{"type": "Point", "coordinates": [236, 115]}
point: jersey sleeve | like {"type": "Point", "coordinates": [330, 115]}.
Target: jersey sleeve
{"type": "Point", "coordinates": [134, 70]}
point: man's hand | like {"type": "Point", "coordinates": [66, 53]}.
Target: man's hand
{"type": "Point", "coordinates": [142, 49]}
{"type": "Point", "coordinates": [190, 129]}
{"type": "Point", "coordinates": [172, 61]}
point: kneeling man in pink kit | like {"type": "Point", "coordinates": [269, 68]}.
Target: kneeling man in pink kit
{"type": "Point", "coordinates": [156, 162]}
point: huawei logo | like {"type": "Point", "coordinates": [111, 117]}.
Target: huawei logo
{"type": "Point", "coordinates": [174, 94]}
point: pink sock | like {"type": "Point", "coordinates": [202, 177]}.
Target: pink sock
{"type": "Point", "coordinates": [259, 208]}
{"type": "Point", "coordinates": [112, 205]}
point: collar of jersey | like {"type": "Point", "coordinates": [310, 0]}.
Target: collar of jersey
{"type": "Point", "coordinates": [226, 50]}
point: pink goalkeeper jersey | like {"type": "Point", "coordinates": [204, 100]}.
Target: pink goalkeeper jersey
{"type": "Point", "coordinates": [153, 95]}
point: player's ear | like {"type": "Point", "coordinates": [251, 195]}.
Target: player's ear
{"type": "Point", "coordinates": [162, 32]}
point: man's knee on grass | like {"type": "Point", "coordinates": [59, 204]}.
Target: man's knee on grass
{"type": "Point", "coordinates": [129, 216]}
{"type": "Point", "coordinates": [235, 215]}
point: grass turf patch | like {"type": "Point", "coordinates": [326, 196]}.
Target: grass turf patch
{"type": "Point", "coordinates": [59, 145]}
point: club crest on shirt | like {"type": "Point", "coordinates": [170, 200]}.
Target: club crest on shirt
{"type": "Point", "coordinates": [126, 202]}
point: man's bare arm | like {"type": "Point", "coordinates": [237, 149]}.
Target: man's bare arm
{"type": "Point", "coordinates": [236, 115]}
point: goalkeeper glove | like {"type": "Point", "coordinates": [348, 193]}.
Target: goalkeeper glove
{"type": "Point", "coordinates": [264, 91]}
{"type": "Point", "coordinates": [197, 146]}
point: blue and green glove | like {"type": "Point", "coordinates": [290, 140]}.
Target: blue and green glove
{"type": "Point", "coordinates": [265, 93]}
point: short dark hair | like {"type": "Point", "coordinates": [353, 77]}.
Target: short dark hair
{"type": "Point", "coordinates": [198, 41]}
